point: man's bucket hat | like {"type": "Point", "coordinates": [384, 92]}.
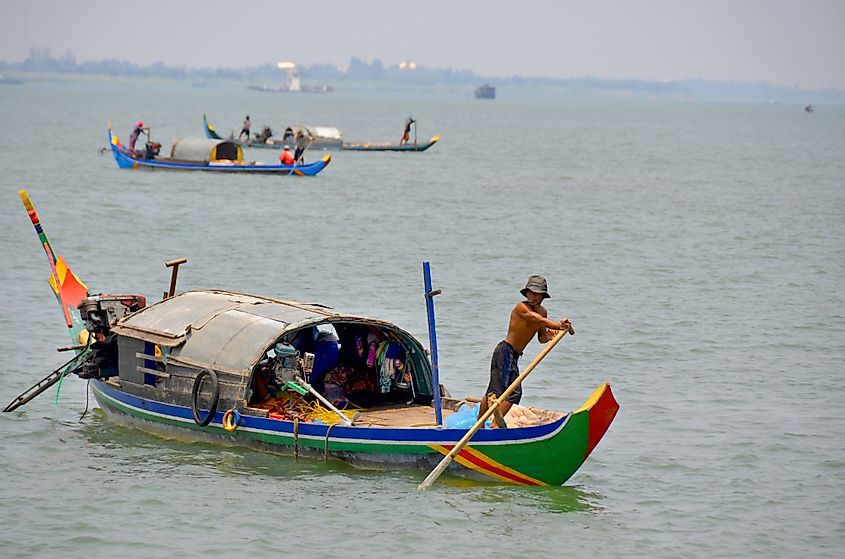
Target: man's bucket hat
{"type": "Point", "coordinates": [537, 284]}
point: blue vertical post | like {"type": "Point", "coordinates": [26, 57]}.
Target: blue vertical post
{"type": "Point", "coordinates": [432, 336]}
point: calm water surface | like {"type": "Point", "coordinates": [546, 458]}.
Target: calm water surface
{"type": "Point", "coordinates": [698, 249]}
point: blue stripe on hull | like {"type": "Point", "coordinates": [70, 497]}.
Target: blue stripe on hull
{"type": "Point", "coordinates": [106, 394]}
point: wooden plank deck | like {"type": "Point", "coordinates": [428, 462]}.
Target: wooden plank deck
{"type": "Point", "coordinates": [399, 416]}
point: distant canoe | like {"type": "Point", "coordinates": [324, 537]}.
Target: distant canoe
{"type": "Point", "coordinates": [211, 155]}
{"type": "Point", "coordinates": [390, 147]}
{"type": "Point", "coordinates": [320, 137]}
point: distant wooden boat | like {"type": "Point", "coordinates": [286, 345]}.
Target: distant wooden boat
{"type": "Point", "coordinates": [203, 154]}
{"type": "Point", "coordinates": [485, 91]}
{"type": "Point", "coordinates": [319, 137]}
{"type": "Point", "coordinates": [391, 147]}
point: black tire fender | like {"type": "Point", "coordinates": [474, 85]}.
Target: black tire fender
{"type": "Point", "coordinates": [215, 397]}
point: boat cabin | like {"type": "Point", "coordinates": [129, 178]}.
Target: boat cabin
{"type": "Point", "coordinates": [207, 151]}
{"type": "Point", "coordinates": [256, 346]}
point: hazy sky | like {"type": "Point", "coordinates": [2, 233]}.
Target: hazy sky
{"type": "Point", "coordinates": [783, 42]}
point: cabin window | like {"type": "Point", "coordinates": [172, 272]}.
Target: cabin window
{"type": "Point", "coordinates": [226, 150]}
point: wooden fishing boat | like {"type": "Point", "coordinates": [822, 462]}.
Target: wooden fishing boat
{"type": "Point", "coordinates": [319, 137]}
{"type": "Point", "coordinates": [201, 154]}
{"type": "Point", "coordinates": [241, 370]}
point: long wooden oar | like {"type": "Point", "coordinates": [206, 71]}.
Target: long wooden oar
{"type": "Point", "coordinates": [435, 473]}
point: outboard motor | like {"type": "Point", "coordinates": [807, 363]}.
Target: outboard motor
{"type": "Point", "coordinates": [288, 366]}
{"type": "Point", "coordinates": [100, 312]}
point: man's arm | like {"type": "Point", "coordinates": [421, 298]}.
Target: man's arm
{"type": "Point", "coordinates": [538, 319]}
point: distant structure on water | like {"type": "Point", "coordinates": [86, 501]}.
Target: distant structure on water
{"type": "Point", "coordinates": [292, 83]}
{"type": "Point", "coordinates": [809, 109]}
{"type": "Point", "coordinates": [486, 91]}
{"type": "Point", "coordinates": [4, 80]}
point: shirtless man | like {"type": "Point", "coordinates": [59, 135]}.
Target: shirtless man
{"type": "Point", "coordinates": [527, 318]}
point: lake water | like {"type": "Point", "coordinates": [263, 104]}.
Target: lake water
{"type": "Point", "coordinates": [699, 250]}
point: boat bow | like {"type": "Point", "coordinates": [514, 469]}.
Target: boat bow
{"type": "Point", "coordinates": [517, 455]}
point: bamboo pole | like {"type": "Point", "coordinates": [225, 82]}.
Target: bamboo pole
{"type": "Point", "coordinates": [435, 473]}
{"type": "Point", "coordinates": [48, 249]}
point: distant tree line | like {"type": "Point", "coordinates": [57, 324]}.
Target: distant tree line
{"type": "Point", "coordinates": [42, 60]}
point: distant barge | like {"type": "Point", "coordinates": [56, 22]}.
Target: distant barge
{"type": "Point", "coordinates": [485, 91]}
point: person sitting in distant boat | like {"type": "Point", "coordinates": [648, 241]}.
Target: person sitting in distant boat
{"type": "Point", "coordinates": [407, 132]}
{"type": "Point", "coordinates": [288, 136]}
{"type": "Point", "coordinates": [245, 129]}
{"type": "Point", "coordinates": [133, 137]}
{"type": "Point", "coordinates": [265, 135]}
{"type": "Point", "coordinates": [286, 157]}
{"type": "Point", "coordinates": [152, 150]}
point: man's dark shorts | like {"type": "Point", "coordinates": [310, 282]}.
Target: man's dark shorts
{"type": "Point", "coordinates": [503, 371]}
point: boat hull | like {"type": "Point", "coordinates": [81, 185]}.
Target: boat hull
{"type": "Point", "coordinates": [540, 455]}
{"type": "Point", "coordinates": [390, 147]}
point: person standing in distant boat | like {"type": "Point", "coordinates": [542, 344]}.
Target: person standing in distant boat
{"type": "Point", "coordinates": [245, 128]}
{"type": "Point", "coordinates": [300, 145]}
{"type": "Point", "coordinates": [527, 318]}
{"type": "Point", "coordinates": [286, 157]}
{"type": "Point", "coordinates": [133, 137]}
{"type": "Point", "coordinates": [406, 134]}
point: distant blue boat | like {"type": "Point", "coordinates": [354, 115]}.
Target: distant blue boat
{"type": "Point", "coordinates": [202, 154]}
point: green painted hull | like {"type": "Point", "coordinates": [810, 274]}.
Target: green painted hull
{"type": "Point", "coordinates": [530, 456]}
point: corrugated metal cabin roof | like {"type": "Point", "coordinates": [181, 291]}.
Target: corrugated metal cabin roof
{"type": "Point", "coordinates": [225, 330]}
